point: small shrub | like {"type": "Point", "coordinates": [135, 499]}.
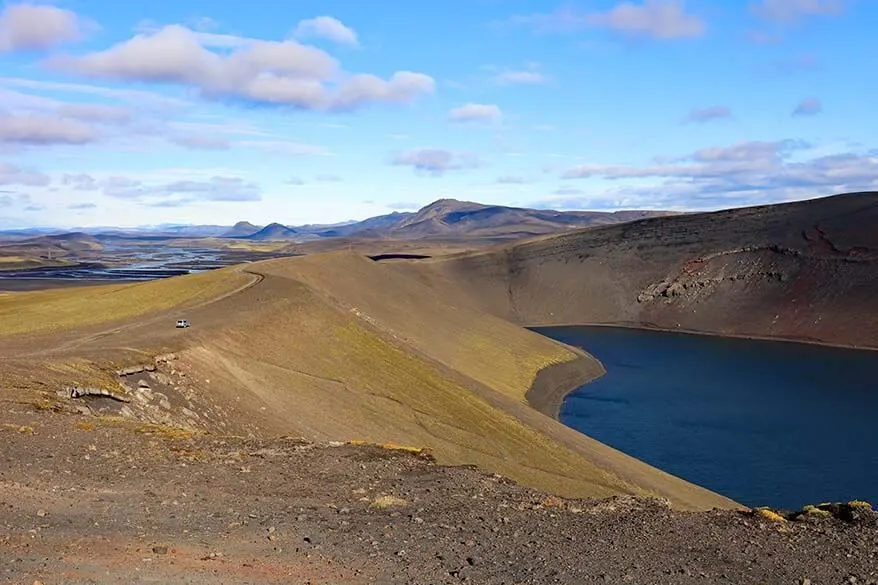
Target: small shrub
{"type": "Point", "coordinates": [116, 420]}
{"type": "Point", "coordinates": [84, 426]}
{"type": "Point", "coordinates": [863, 505]}
{"type": "Point", "coordinates": [383, 502]}
{"type": "Point", "coordinates": [44, 405]}
{"type": "Point", "coordinates": [387, 446]}
{"type": "Point", "coordinates": [552, 502]}
{"type": "Point", "coordinates": [769, 515]}
{"type": "Point", "coordinates": [816, 512]}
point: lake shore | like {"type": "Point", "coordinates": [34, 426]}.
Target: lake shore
{"type": "Point", "coordinates": [553, 384]}
{"type": "Point", "coordinates": [645, 326]}
{"type": "Point", "coordinates": [683, 403]}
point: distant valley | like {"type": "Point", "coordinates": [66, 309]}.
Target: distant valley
{"type": "Point", "coordinates": [50, 257]}
{"type": "Point", "coordinates": [445, 218]}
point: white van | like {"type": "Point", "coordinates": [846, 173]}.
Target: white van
{"type": "Point", "coordinates": [182, 323]}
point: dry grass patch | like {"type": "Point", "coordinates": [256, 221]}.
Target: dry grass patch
{"type": "Point", "coordinates": [816, 512]}
{"type": "Point", "coordinates": [59, 309]}
{"type": "Point", "coordinates": [246, 246]}
{"type": "Point", "coordinates": [23, 429]}
{"type": "Point", "coordinates": [769, 515]}
{"type": "Point", "coordinates": [13, 261]}
{"type": "Point", "coordinates": [304, 355]}
{"type": "Point", "coordinates": [430, 320]}
{"type": "Point", "coordinates": [387, 501]}
{"type": "Point", "coordinates": [390, 447]}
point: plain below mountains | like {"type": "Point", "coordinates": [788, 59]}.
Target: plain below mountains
{"type": "Point", "coordinates": [448, 218]}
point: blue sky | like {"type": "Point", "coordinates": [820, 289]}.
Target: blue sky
{"type": "Point", "coordinates": [112, 113]}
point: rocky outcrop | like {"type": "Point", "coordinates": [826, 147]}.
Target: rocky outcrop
{"type": "Point", "coordinates": [83, 392]}
{"type": "Point", "coordinates": [703, 274]}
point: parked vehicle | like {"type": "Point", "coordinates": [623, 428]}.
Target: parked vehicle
{"type": "Point", "coordinates": [181, 323]}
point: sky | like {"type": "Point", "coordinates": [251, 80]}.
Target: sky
{"type": "Point", "coordinates": [307, 111]}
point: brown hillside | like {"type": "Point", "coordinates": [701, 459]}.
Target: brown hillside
{"type": "Point", "coordinates": [805, 270]}
{"type": "Point", "coordinates": [338, 347]}
{"type": "Point", "coordinates": [466, 219]}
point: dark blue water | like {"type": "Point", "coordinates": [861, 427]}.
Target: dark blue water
{"type": "Point", "coordinates": [762, 422]}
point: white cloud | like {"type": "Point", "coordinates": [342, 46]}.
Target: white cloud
{"type": "Point", "coordinates": [183, 191]}
{"type": "Point", "coordinates": [141, 98]}
{"type": "Point", "coordinates": [744, 172]}
{"type": "Point", "coordinates": [512, 180]}
{"type": "Point", "coordinates": [33, 27]}
{"type": "Point", "coordinates": [37, 129]}
{"type": "Point", "coordinates": [529, 75]}
{"type": "Point", "coordinates": [80, 182]}
{"type": "Point", "coordinates": [223, 41]}
{"type": "Point", "coordinates": [808, 107]}
{"type": "Point", "coordinates": [15, 100]}
{"type": "Point", "coordinates": [704, 163]}
{"type": "Point", "coordinates": [15, 200]}
{"type": "Point", "coordinates": [789, 11]}
{"type": "Point", "coordinates": [285, 147]}
{"type": "Point", "coordinates": [265, 72]}
{"type": "Point", "coordinates": [568, 191]}
{"type": "Point", "coordinates": [326, 27]}
{"type": "Point", "coordinates": [435, 161]}
{"type": "Point", "coordinates": [708, 114]}
{"type": "Point", "coordinates": [476, 113]}
{"type": "Point", "coordinates": [96, 113]}
{"type": "Point", "coordinates": [14, 175]}
{"type": "Point", "coordinates": [201, 142]}
{"type": "Point", "coordinates": [657, 19]}
{"type": "Point", "coordinates": [797, 64]}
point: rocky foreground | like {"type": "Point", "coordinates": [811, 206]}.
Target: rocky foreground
{"type": "Point", "coordinates": [87, 499]}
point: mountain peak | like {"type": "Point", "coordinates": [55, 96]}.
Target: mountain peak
{"type": "Point", "coordinates": [273, 231]}
{"type": "Point", "coordinates": [242, 229]}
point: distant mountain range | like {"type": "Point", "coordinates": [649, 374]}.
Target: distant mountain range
{"type": "Point", "coordinates": [448, 218]}
{"type": "Point", "coordinates": [445, 218]}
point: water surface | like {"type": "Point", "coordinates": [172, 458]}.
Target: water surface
{"type": "Point", "coordinates": [762, 422]}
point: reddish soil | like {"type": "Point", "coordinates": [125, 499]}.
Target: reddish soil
{"type": "Point", "coordinates": [86, 500]}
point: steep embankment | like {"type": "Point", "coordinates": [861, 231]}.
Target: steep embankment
{"type": "Point", "coordinates": [338, 347]}
{"type": "Point", "coordinates": [805, 270]}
